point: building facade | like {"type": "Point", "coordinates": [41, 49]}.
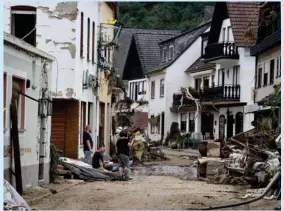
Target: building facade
{"type": "Point", "coordinates": [30, 69]}
{"type": "Point", "coordinates": [68, 31]}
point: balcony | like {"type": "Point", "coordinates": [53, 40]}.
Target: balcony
{"type": "Point", "coordinates": [221, 93]}
{"type": "Point", "coordinates": [218, 51]}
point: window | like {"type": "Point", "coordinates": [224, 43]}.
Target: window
{"type": "Point", "coordinates": [224, 34]}
{"type": "Point", "coordinates": [171, 52]}
{"type": "Point", "coordinates": [88, 40]}
{"type": "Point", "coordinates": [236, 75]}
{"type": "Point", "coordinates": [165, 54]}
{"type": "Point", "coordinates": [5, 98]}
{"type": "Point", "coordinates": [153, 90]}
{"type": "Point", "coordinates": [213, 81]}
{"type": "Point", "coordinates": [259, 79]}
{"type": "Point", "coordinates": [152, 127]}
{"type": "Point", "coordinates": [204, 44]}
{"type": "Point", "coordinates": [206, 82]}
{"type": "Point", "coordinates": [271, 74]}
{"type": "Point", "coordinates": [20, 85]}
{"type": "Point", "coordinates": [162, 87]}
{"type": "Point", "coordinates": [93, 43]}
{"type": "Point", "coordinates": [82, 35]}
{"type": "Point", "coordinates": [23, 23]}
{"type": "Point", "coordinates": [265, 76]}
{"type": "Point", "coordinates": [197, 84]}
{"type": "Point", "coordinates": [278, 67]}
{"type": "Point", "coordinates": [228, 33]}
{"type": "Point", "coordinates": [221, 77]}
{"type": "Point", "coordinates": [191, 123]}
{"type": "Point", "coordinates": [90, 113]}
{"type": "Point", "coordinates": [183, 121]}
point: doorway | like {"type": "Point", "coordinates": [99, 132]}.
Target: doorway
{"type": "Point", "coordinates": [239, 123]}
{"type": "Point", "coordinates": [222, 126]}
{"type": "Point", "coordinates": [162, 125]}
{"type": "Point", "coordinates": [207, 121]}
{"type": "Point", "coordinates": [102, 123]}
{"type": "Point", "coordinates": [230, 126]}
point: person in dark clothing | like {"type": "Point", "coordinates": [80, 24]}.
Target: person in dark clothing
{"type": "Point", "coordinates": [87, 144]}
{"type": "Point", "coordinates": [98, 159]}
{"type": "Point", "coordinates": [123, 149]}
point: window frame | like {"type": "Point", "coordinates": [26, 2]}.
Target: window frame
{"type": "Point", "coordinates": [22, 100]}
{"type": "Point", "coordinates": [93, 42]}
{"type": "Point", "coordinates": [152, 127]}
{"type": "Point", "coordinates": [82, 36]}
{"type": "Point", "coordinates": [88, 38]}
{"type": "Point", "coordinates": [162, 88]}
{"type": "Point", "coordinates": [164, 54]}
{"type": "Point", "coordinates": [171, 49]}
{"type": "Point", "coordinates": [181, 123]}
{"type": "Point", "coordinates": [271, 71]}
{"type": "Point", "coordinates": [259, 76]}
{"type": "Point", "coordinates": [153, 85]}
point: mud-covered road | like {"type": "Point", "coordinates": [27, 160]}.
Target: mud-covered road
{"type": "Point", "coordinates": [151, 189]}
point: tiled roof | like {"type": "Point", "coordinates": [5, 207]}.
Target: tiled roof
{"type": "Point", "coordinates": [244, 18]}
{"type": "Point", "coordinates": [199, 65]}
{"type": "Point", "coordinates": [181, 43]}
{"type": "Point", "coordinates": [124, 40]}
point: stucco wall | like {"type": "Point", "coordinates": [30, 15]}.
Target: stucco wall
{"type": "Point", "coordinates": [177, 78]}
{"type": "Point", "coordinates": [156, 105]}
{"type": "Point", "coordinates": [226, 23]}
{"type": "Point", "coordinates": [272, 53]}
{"type": "Point", "coordinates": [19, 64]}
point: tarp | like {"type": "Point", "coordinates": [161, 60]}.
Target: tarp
{"type": "Point", "coordinates": [13, 200]}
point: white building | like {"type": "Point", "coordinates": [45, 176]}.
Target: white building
{"type": "Point", "coordinates": [30, 69]}
{"type": "Point", "coordinates": [166, 79]}
{"type": "Point", "coordinates": [68, 31]}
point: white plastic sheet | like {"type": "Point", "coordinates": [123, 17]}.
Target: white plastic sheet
{"type": "Point", "coordinates": [13, 200]}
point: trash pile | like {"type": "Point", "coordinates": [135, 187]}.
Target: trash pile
{"type": "Point", "coordinates": [12, 200]}
{"type": "Point", "coordinates": [250, 158]}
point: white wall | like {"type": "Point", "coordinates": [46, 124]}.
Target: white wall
{"type": "Point", "coordinates": [20, 64]}
{"type": "Point", "coordinates": [227, 25]}
{"type": "Point", "coordinates": [273, 53]}
{"type": "Point", "coordinates": [158, 104]}
{"type": "Point", "coordinates": [177, 78]}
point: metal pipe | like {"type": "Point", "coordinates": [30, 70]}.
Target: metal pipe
{"type": "Point", "coordinates": [274, 179]}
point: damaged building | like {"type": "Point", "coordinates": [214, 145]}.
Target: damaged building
{"type": "Point", "coordinates": [68, 31]}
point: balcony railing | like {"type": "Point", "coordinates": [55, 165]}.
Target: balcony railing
{"type": "Point", "coordinates": [227, 92]}
{"type": "Point", "coordinates": [221, 50]}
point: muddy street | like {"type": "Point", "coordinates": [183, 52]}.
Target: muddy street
{"type": "Point", "coordinates": [170, 185]}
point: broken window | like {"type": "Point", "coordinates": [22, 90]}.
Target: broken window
{"type": "Point", "coordinates": [19, 85]}
{"type": "Point", "coordinates": [82, 35]}
{"type": "Point", "coordinates": [183, 121]}
{"type": "Point", "coordinates": [162, 88]}
{"type": "Point", "coordinates": [88, 40]}
{"type": "Point", "coordinates": [93, 43]}
{"type": "Point", "coordinates": [153, 90]}
{"type": "Point", "coordinates": [23, 23]}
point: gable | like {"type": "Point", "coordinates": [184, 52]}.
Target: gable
{"type": "Point", "coordinates": [132, 69]}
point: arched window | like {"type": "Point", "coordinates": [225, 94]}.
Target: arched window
{"type": "Point", "coordinates": [23, 23]}
{"type": "Point", "coordinates": [222, 126]}
{"type": "Point", "coordinates": [239, 126]}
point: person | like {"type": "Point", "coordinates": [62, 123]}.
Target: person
{"type": "Point", "coordinates": [123, 150]}
{"type": "Point", "coordinates": [98, 158]}
{"type": "Point", "coordinates": [87, 144]}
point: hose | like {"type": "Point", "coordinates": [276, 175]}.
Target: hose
{"type": "Point", "coordinates": [274, 179]}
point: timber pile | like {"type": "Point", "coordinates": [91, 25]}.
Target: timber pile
{"type": "Point", "coordinates": [251, 158]}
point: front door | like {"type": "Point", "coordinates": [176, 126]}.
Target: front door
{"type": "Point", "coordinates": [207, 121]}
{"type": "Point", "coordinates": [230, 126]}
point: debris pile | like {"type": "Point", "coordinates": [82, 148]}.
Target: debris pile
{"type": "Point", "coordinates": [249, 158]}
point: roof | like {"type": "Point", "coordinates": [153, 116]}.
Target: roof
{"type": "Point", "coordinates": [181, 43]}
{"type": "Point", "coordinates": [148, 49]}
{"type": "Point", "coordinates": [200, 65]}
{"type": "Point", "coordinates": [18, 43]}
{"type": "Point", "coordinates": [124, 40]}
{"type": "Point", "coordinates": [244, 18]}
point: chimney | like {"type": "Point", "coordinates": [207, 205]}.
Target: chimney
{"type": "Point", "coordinates": [208, 13]}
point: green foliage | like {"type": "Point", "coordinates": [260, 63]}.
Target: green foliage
{"type": "Point", "coordinates": [162, 15]}
{"type": "Point", "coordinates": [277, 92]}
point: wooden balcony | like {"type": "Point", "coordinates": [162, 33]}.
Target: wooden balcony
{"type": "Point", "coordinates": [220, 93]}
{"type": "Point", "coordinates": [219, 51]}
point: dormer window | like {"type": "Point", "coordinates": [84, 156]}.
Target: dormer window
{"type": "Point", "coordinates": [171, 52]}
{"type": "Point", "coordinates": [165, 52]}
